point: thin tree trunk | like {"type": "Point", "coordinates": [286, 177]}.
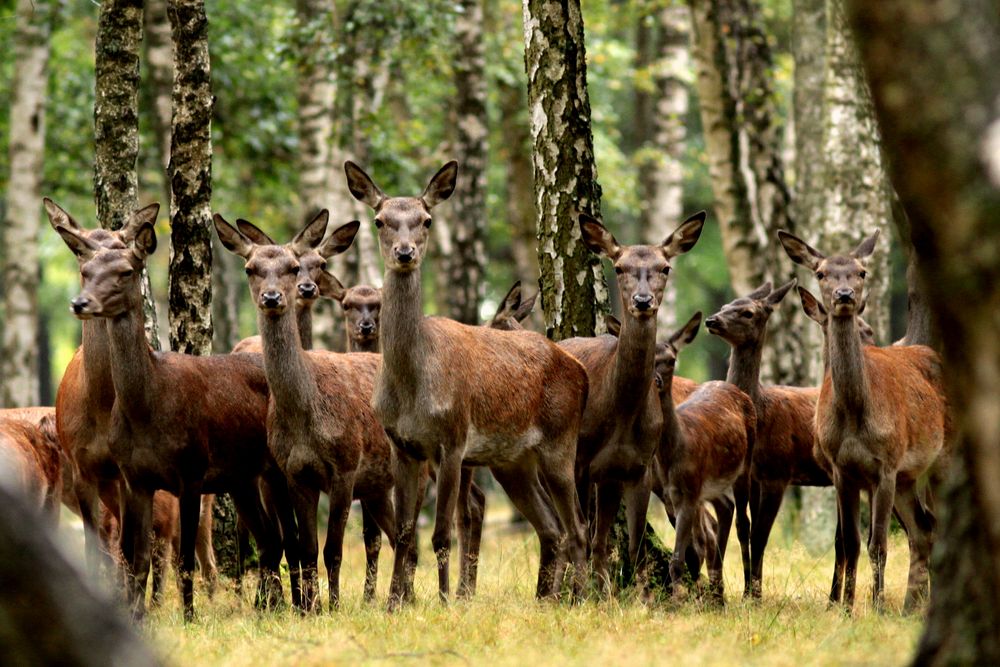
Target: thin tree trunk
{"type": "Point", "coordinates": [19, 386]}
{"type": "Point", "coordinates": [116, 126]}
{"type": "Point", "coordinates": [733, 68]}
{"type": "Point", "coordinates": [466, 261]}
{"type": "Point", "coordinates": [573, 290]}
{"type": "Point", "coordinates": [159, 53]}
{"type": "Point", "coordinates": [190, 280]}
{"type": "Point", "coordinates": [935, 85]}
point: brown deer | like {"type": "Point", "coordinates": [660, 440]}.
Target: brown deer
{"type": "Point", "coordinates": [361, 304]}
{"type": "Point", "coordinates": [880, 422]}
{"type": "Point", "coordinates": [32, 465]}
{"type": "Point", "coordinates": [321, 427]}
{"type": "Point", "coordinates": [162, 439]}
{"type": "Point", "coordinates": [702, 453]}
{"type": "Point", "coordinates": [453, 393]}
{"type": "Point", "coordinates": [512, 310]}
{"type": "Point", "coordinates": [623, 420]}
{"type": "Point", "coordinates": [81, 419]}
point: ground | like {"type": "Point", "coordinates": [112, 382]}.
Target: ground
{"type": "Point", "coordinates": [504, 625]}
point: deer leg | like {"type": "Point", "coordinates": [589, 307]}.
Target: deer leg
{"type": "Point", "coordinates": [242, 552]}
{"type": "Point", "coordinates": [528, 495]}
{"type": "Point", "coordinates": [341, 495]}
{"type": "Point", "coordinates": [137, 522]}
{"type": "Point", "coordinates": [162, 552]}
{"type": "Point", "coordinates": [190, 511]}
{"type": "Point", "coordinates": [687, 514]}
{"type": "Point", "coordinates": [908, 508]}
{"type": "Point", "coordinates": [840, 562]}
{"type": "Point", "coordinates": [306, 500]}
{"type": "Point", "coordinates": [90, 511]}
{"type": "Point", "coordinates": [636, 507]}
{"type": "Point", "coordinates": [472, 512]}
{"type": "Point", "coordinates": [882, 501]}
{"type": "Point", "coordinates": [768, 504]}
{"type": "Point", "coordinates": [449, 474]}
{"type": "Point", "coordinates": [747, 493]}
{"type": "Point", "coordinates": [849, 504]}
{"type": "Point", "coordinates": [716, 554]}
{"type": "Point", "coordinates": [281, 519]}
{"type": "Point", "coordinates": [562, 494]}
{"type": "Point", "coordinates": [203, 548]}
{"type": "Point", "coordinates": [373, 545]}
{"type": "Point", "coordinates": [609, 498]}
{"type": "Point", "coordinates": [408, 477]}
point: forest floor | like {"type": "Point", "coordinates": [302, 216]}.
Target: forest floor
{"type": "Point", "coordinates": [504, 625]}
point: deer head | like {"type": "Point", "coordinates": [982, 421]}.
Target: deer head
{"type": "Point", "coordinates": [110, 263]}
{"type": "Point", "coordinates": [361, 304]}
{"type": "Point", "coordinates": [403, 223]}
{"type": "Point", "coordinates": [642, 270]}
{"type": "Point", "coordinates": [275, 272]}
{"type": "Point", "coordinates": [666, 352]}
{"type": "Point", "coordinates": [841, 277]}
{"type": "Point", "coordinates": [744, 321]}
{"type": "Point", "coordinates": [512, 310]}
{"type": "Point", "coordinates": [817, 313]}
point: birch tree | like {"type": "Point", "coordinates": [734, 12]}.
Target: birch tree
{"type": "Point", "coordinates": [573, 292]}
{"type": "Point", "coordinates": [19, 368]}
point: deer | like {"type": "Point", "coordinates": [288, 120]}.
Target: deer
{"type": "Point", "coordinates": [159, 438]}
{"type": "Point", "coordinates": [623, 420]}
{"type": "Point", "coordinates": [457, 394]}
{"type": "Point", "coordinates": [321, 427]}
{"type": "Point", "coordinates": [82, 416]}
{"type": "Point", "coordinates": [881, 423]}
{"type": "Point", "coordinates": [701, 455]}
{"type": "Point", "coordinates": [32, 465]}
{"type": "Point", "coordinates": [512, 310]}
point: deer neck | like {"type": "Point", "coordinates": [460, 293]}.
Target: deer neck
{"type": "Point", "coordinates": [362, 346]}
{"type": "Point", "coordinates": [847, 365]}
{"type": "Point", "coordinates": [100, 388]}
{"type": "Point", "coordinates": [744, 369]}
{"type": "Point", "coordinates": [400, 331]}
{"type": "Point", "coordinates": [289, 375]}
{"type": "Point", "coordinates": [133, 366]}
{"type": "Point", "coordinates": [304, 322]}
{"type": "Point", "coordinates": [634, 362]}
{"type": "Point", "coordinates": [670, 437]}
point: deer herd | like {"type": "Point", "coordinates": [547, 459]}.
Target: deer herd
{"type": "Point", "coordinates": [139, 441]}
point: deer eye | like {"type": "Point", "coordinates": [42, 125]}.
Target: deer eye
{"type": "Point", "coordinates": [378, 223]}
{"type": "Point", "coordinates": [427, 223]}
{"type": "Point", "coordinates": [127, 273]}
{"type": "Point", "coordinates": [248, 271]}
{"type": "Point", "coordinates": [863, 275]}
{"type": "Point", "coordinates": [619, 270]}
{"type": "Point", "coordinates": [747, 314]}
{"type": "Point", "coordinates": [665, 270]}
{"type": "Point", "coordinates": [820, 275]}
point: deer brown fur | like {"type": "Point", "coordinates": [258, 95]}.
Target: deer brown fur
{"type": "Point", "coordinates": [702, 453]}
{"type": "Point", "coordinates": [623, 419]}
{"type": "Point", "coordinates": [880, 421]}
{"type": "Point", "coordinates": [159, 437]}
{"type": "Point", "coordinates": [321, 427]}
{"type": "Point", "coordinates": [453, 393]}
{"type": "Point", "coordinates": [32, 464]}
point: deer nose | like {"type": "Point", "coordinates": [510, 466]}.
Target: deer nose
{"type": "Point", "coordinates": [270, 299]}
{"type": "Point", "coordinates": [367, 328]}
{"type": "Point", "coordinates": [79, 303]}
{"type": "Point", "coordinates": [711, 322]}
{"type": "Point", "coordinates": [643, 302]}
{"type": "Point", "coordinates": [405, 255]}
{"type": "Point", "coordinates": [307, 290]}
{"type": "Point", "coordinates": [844, 295]}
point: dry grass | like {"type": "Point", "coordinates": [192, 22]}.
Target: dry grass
{"type": "Point", "coordinates": [504, 625]}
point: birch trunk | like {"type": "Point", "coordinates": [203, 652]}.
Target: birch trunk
{"type": "Point", "coordinates": [190, 171]}
{"type": "Point", "coordinates": [935, 85]}
{"type": "Point", "coordinates": [19, 368]}
{"type": "Point", "coordinates": [116, 126]}
{"type": "Point", "coordinates": [159, 52]}
{"type": "Point", "coordinates": [466, 261]}
{"type": "Point", "coordinates": [573, 291]}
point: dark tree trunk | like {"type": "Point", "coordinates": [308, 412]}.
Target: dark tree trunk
{"type": "Point", "coordinates": [466, 261]}
{"type": "Point", "coordinates": [573, 291]}
{"type": "Point", "coordinates": [935, 83]}
{"type": "Point", "coordinates": [116, 126]}
{"type": "Point", "coordinates": [190, 171]}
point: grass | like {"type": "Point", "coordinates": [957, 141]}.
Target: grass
{"type": "Point", "coordinates": [504, 625]}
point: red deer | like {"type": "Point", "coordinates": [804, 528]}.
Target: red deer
{"type": "Point", "coordinates": [31, 464]}
{"type": "Point", "coordinates": [321, 428]}
{"type": "Point", "coordinates": [453, 393]}
{"type": "Point", "coordinates": [159, 437]}
{"type": "Point", "coordinates": [880, 422]}
{"type": "Point", "coordinates": [512, 310]}
{"type": "Point", "coordinates": [701, 455]}
{"type": "Point", "coordinates": [361, 304]}
{"type": "Point", "coordinates": [83, 410]}
{"type": "Point", "coordinates": [623, 420]}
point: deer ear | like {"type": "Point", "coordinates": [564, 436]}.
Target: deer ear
{"type": "Point", "coordinates": [232, 239]}
{"type": "Point", "coordinates": [441, 185]}
{"type": "Point", "coordinates": [812, 307]}
{"type": "Point", "coordinates": [144, 216]}
{"type": "Point", "coordinates": [310, 236]}
{"type": "Point", "coordinates": [760, 292]}
{"type": "Point", "coordinates": [613, 325]}
{"type": "Point", "coordinates": [253, 232]}
{"type": "Point", "coordinates": [339, 240]}
{"type": "Point", "coordinates": [685, 236]}
{"type": "Point", "coordinates": [799, 251]}
{"type": "Point", "coordinates": [330, 287]}
{"type": "Point", "coordinates": [527, 305]}
{"type": "Point", "coordinates": [775, 297]}
{"type": "Point", "coordinates": [683, 336]}
{"type": "Point", "coordinates": [509, 305]}
{"type": "Point", "coordinates": [866, 247]}
{"type": "Point", "coordinates": [362, 186]}
{"type": "Point", "coordinates": [81, 246]}
{"type": "Point", "coordinates": [58, 217]}
{"type": "Point", "coordinates": [144, 242]}
{"type": "Point", "coordinates": [598, 239]}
